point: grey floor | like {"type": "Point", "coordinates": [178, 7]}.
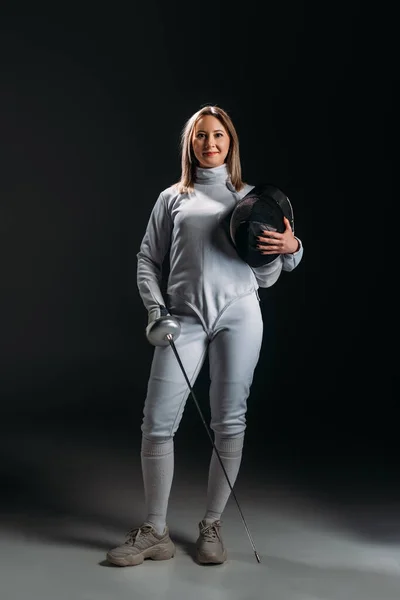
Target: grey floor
{"type": "Point", "coordinates": [67, 498]}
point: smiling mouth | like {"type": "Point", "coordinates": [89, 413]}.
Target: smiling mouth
{"type": "Point", "coordinates": [210, 153]}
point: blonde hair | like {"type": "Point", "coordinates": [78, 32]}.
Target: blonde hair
{"type": "Point", "coordinates": [188, 159]}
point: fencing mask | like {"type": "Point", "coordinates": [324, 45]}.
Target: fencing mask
{"type": "Point", "coordinates": [262, 208]}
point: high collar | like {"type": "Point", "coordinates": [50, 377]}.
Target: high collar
{"type": "Point", "coordinates": [212, 176]}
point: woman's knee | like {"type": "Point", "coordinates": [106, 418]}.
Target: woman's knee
{"type": "Point", "coordinates": [149, 438]}
{"type": "Point", "coordinates": [230, 429]}
{"type": "Point", "coordinates": [161, 426]}
{"type": "Point", "coordinates": [154, 433]}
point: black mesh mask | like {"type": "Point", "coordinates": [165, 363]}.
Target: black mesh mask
{"type": "Point", "coordinates": [263, 208]}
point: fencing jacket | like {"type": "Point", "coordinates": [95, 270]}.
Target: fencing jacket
{"type": "Point", "coordinates": [205, 270]}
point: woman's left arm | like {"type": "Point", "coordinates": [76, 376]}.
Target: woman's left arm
{"type": "Point", "coordinates": [286, 244]}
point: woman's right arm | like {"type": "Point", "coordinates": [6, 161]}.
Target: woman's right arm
{"type": "Point", "coordinates": [153, 249]}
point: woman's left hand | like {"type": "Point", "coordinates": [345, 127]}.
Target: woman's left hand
{"type": "Point", "coordinates": [272, 242]}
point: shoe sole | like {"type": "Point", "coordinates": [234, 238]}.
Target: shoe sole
{"type": "Point", "coordinates": [164, 552]}
{"type": "Point", "coordinates": [203, 559]}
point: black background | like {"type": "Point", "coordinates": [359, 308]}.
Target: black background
{"type": "Point", "coordinates": [92, 106]}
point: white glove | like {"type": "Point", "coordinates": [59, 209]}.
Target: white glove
{"type": "Point", "coordinates": [153, 315]}
{"type": "Point", "coordinates": [162, 327]}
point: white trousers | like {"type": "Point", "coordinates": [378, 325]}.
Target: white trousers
{"type": "Point", "coordinates": [233, 344]}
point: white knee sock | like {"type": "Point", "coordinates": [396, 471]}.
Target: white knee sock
{"type": "Point", "coordinates": [230, 450]}
{"type": "Point", "coordinates": [157, 460]}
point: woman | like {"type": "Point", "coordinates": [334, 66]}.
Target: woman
{"type": "Point", "coordinates": [214, 295]}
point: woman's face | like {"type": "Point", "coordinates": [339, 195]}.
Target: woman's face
{"type": "Point", "coordinates": [210, 142]}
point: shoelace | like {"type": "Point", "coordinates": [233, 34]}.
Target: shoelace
{"type": "Point", "coordinates": [210, 532]}
{"type": "Point", "coordinates": [134, 534]}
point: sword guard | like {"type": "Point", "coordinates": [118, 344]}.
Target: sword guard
{"type": "Point", "coordinates": [158, 330]}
